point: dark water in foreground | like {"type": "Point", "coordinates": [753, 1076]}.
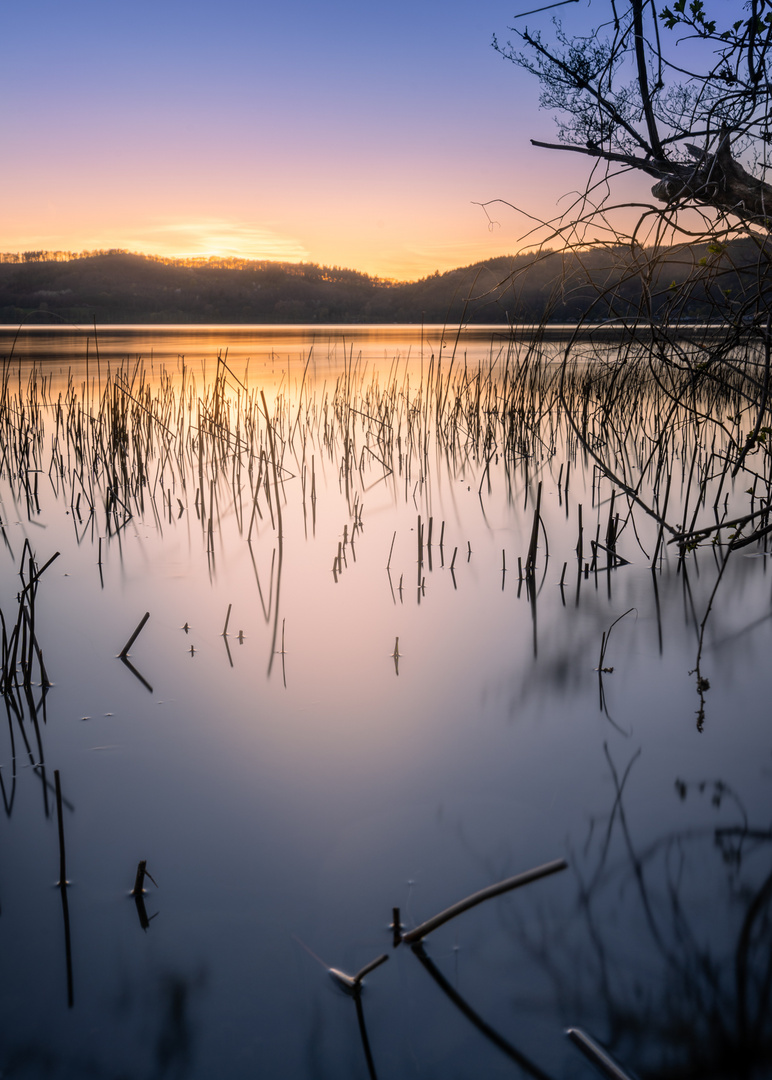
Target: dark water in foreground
{"type": "Point", "coordinates": [292, 781]}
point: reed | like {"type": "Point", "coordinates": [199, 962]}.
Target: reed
{"type": "Point", "coordinates": [530, 562]}
{"type": "Point", "coordinates": [20, 647]}
{"type": "Point", "coordinates": [140, 626]}
{"type": "Point", "coordinates": [139, 878]}
{"type": "Point", "coordinates": [128, 447]}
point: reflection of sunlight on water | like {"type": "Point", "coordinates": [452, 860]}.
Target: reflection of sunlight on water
{"type": "Point", "coordinates": [311, 798]}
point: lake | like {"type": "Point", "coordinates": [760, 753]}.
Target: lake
{"type": "Point", "coordinates": [415, 627]}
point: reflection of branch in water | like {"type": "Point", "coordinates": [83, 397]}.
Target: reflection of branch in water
{"type": "Point", "coordinates": [490, 1033]}
{"type": "Point", "coordinates": [657, 608]}
{"type": "Point", "coordinates": [276, 607]}
{"type": "Point", "coordinates": [712, 1015]}
{"type": "Point", "coordinates": [67, 945]}
{"type": "Point", "coordinates": [9, 800]}
{"type": "Point", "coordinates": [144, 919]}
{"type": "Point", "coordinates": [634, 858]}
{"type": "Point", "coordinates": [174, 1044]}
{"type": "Point", "coordinates": [604, 707]}
{"type": "Point", "coordinates": [680, 988]}
{"type": "Point", "coordinates": [365, 1040]}
{"type": "Point", "coordinates": [619, 785]}
{"type": "Point", "coordinates": [690, 611]}
{"type": "Point", "coordinates": [531, 592]}
{"type": "Point", "coordinates": [352, 985]}
{"type": "Point", "coordinates": [279, 523]}
{"type": "Point", "coordinates": [266, 610]}
{"type": "Point", "coordinates": [15, 712]}
{"type": "Point", "coordinates": [138, 893]}
{"type": "Point", "coordinates": [63, 883]}
{"type": "Point", "coordinates": [702, 683]}
{"type": "Point", "coordinates": [125, 660]}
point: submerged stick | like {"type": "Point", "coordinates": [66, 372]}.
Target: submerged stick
{"type": "Point", "coordinates": [124, 651]}
{"type": "Point", "coordinates": [484, 894]}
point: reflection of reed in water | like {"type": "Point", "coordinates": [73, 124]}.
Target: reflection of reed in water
{"type": "Point", "coordinates": [20, 647]}
{"type": "Point", "coordinates": [138, 893]}
{"type": "Point", "coordinates": [657, 439]}
{"type": "Point", "coordinates": [529, 1067]}
{"type": "Point", "coordinates": [697, 1007]}
{"type": "Point", "coordinates": [62, 885]}
{"type": "Point", "coordinates": [352, 984]}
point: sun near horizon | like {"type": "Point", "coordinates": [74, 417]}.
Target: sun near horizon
{"type": "Point", "coordinates": [215, 241]}
{"type": "Point", "coordinates": [298, 133]}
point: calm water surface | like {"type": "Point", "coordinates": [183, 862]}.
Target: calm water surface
{"type": "Point", "coordinates": [291, 781]}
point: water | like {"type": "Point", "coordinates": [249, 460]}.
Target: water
{"type": "Point", "coordinates": [293, 781]}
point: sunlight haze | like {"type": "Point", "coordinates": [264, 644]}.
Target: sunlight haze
{"type": "Point", "coordinates": [343, 135]}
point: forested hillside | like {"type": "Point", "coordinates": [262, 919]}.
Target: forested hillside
{"type": "Point", "coordinates": [118, 287]}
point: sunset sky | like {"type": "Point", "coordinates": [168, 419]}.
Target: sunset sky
{"type": "Point", "coordinates": [348, 134]}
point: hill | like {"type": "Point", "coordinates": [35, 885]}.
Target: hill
{"type": "Point", "coordinates": [119, 287]}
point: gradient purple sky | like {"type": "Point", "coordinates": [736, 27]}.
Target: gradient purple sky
{"type": "Point", "coordinates": [348, 134]}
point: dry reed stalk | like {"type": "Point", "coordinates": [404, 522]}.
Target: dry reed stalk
{"type": "Point", "coordinates": [125, 650]}
{"type": "Point", "coordinates": [530, 562]}
{"type": "Point", "coordinates": [391, 549]}
{"type": "Point", "coordinates": [139, 880]}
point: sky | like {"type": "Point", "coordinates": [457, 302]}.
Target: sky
{"type": "Point", "coordinates": [347, 134]}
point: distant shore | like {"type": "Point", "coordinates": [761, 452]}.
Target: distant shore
{"type": "Point", "coordinates": [523, 290]}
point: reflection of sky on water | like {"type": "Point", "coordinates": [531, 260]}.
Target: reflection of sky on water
{"type": "Point", "coordinates": [270, 813]}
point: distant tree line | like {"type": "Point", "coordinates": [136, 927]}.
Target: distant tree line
{"type": "Point", "coordinates": [120, 287]}
{"type": "Point", "coordinates": [55, 256]}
